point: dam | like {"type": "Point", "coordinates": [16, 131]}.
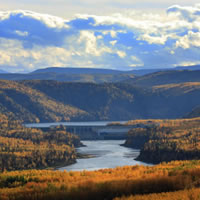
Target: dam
{"type": "Point", "coordinates": [101, 130]}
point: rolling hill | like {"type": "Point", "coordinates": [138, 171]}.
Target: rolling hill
{"type": "Point", "coordinates": [24, 103]}
{"type": "Point", "coordinates": [139, 71]}
{"type": "Point", "coordinates": [158, 95]}
{"type": "Point", "coordinates": [144, 77]}
{"type": "Point", "coordinates": [70, 70]}
{"type": "Point", "coordinates": [65, 77]}
{"type": "Point", "coordinates": [121, 101]}
{"type": "Point", "coordinates": [166, 77]}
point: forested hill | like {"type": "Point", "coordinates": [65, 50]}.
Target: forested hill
{"type": "Point", "coordinates": [72, 75]}
{"type": "Point", "coordinates": [166, 140]}
{"type": "Point", "coordinates": [27, 148]}
{"type": "Point", "coordinates": [24, 103]}
{"type": "Point", "coordinates": [68, 77]}
{"type": "Point", "coordinates": [166, 77]}
{"type": "Point", "coordinates": [135, 77]}
{"type": "Point", "coordinates": [47, 101]}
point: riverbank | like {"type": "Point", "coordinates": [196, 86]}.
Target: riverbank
{"type": "Point", "coordinates": [57, 166]}
{"type": "Point", "coordinates": [166, 141]}
{"type": "Point", "coordinates": [103, 154]}
{"type": "Point", "coordinates": [85, 156]}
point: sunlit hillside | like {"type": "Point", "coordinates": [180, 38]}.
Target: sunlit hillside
{"type": "Point", "coordinates": [166, 140]}
{"type": "Point", "coordinates": [102, 184]}
{"type": "Point", "coordinates": [26, 148]}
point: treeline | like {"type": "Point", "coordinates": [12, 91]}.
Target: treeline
{"type": "Point", "coordinates": [27, 148]}
{"type": "Point", "coordinates": [102, 184]}
{"type": "Point", "coordinates": [166, 140]}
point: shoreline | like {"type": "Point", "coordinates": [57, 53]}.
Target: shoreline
{"type": "Point", "coordinates": [88, 156]}
{"type": "Point", "coordinates": [79, 156]}
{"type": "Point", "coordinates": [59, 165]}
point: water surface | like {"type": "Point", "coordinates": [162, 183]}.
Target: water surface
{"type": "Point", "coordinates": [108, 154]}
{"type": "Point", "coordinates": [93, 123]}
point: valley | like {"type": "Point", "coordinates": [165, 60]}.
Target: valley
{"type": "Point", "coordinates": [99, 100]}
{"type": "Point", "coordinates": [48, 124]}
{"type": "Point", "coordinates": [52, 101]}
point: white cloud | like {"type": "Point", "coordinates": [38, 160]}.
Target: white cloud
{"type": "Point", "coordinates": [50, 21]}
{"type": "Point", "coordinates": [190, 40]}
{"type": "Point", "coordinates": [187, 63]}
{"type": "Point", "coordinates": [113, 33]}
{"type": "Point", "coordinates": [32, 40]}
{"type": "Point", "coordinates": [113, 42]}
{"type": "Point", "coordinates": [121, 54]}
{"type": "Point", "coordinates": [21, 33]}
{"type": "Point", "coordinates": [153, 39]}
{"type": "Point", "coordinates": [90, 45]}
{"type": "Point", "coordinates": [187, 13]}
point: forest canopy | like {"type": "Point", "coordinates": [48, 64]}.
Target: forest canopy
{"type": "Point", "coordinates": [28, 148]}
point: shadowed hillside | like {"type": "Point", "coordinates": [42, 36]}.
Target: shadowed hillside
{"type": "Point", "coordinates": [166, 77]}
{"type": "Point", "coordinates": [34, 101]}
{"type": "Point", "coordinates": [123, 101]}
{"type": "Point", "coordinates": [194, 113]}
{"type": "Point", "coordinates": [72, 75]}
{"type": "Point", "coordinates": [22, 102]}
{"type": "Point", "coordinates": [68, 77]}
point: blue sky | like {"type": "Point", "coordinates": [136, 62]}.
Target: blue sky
{"type": "Point", "coordinates": [116, 34]}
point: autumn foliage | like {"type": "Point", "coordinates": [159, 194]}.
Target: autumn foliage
{"type": "Point", "coordinates": [187, 194]}
{"type": "Point", "coordinates": [101, 184]}
{"type": "Point", "coordinates": [27, 148]}
{"type": "Point", "coordinates": [166, 140]}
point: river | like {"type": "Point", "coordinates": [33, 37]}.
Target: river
{"type": "Point", "coordinates": [93, 123]}
{"type": "Point", "coordinates": [108, 154]}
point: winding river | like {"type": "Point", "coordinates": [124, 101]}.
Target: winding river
{"type": "Point", "coordinates": [107, 154]}
{"type": "Point", "coordinates": [104, 153]}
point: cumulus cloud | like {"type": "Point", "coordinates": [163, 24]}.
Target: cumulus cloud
{"type": "Point", "coordinates": [33, 28]}
{"type": "Point", "coordinates": [30, 40]}
{"type": "Point", "coordinates": [187, 13]}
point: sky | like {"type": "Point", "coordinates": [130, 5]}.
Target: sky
{"type": "Point", "coordinates": [112, 34]}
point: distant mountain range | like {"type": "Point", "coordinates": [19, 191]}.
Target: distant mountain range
{"type": "Point", "coordinates": [164, 94]}
{"type": "Point", "coordinates": [140, 72]}
{"type": "Point", "coordinates": [65, 77]}
{"type": "Point", "coordinates": [89, 74]}
{"type": "Point", "coordinates": [68, 70]}
{"type": "Point", "coordinates": [2, 71]}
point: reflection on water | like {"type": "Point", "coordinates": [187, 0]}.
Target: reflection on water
{"type": "Point", "coordinates": [108, 154]}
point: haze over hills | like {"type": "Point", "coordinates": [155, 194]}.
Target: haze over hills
{"type": "Point", "coordinates": [2, 71]}
{"type": "Point", "coordinates": [93, 71]}
{"type": "Point", "coordinates": [96, 75]}
{"type": "Point", "coordinates": [69, 70]}
{"type": "Point", "coordinates": [64, 77]}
